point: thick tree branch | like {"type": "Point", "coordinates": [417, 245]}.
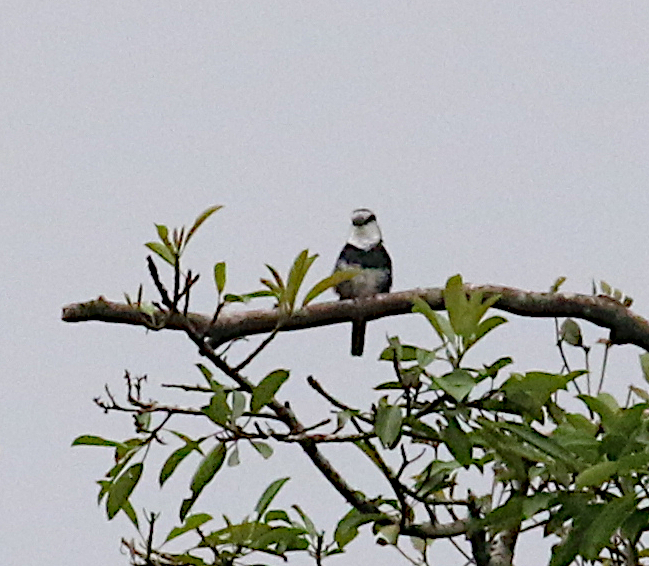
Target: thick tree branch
{"type": "Point", "coordinates": [235, 325]}
{"type": "Point", "coordinates": [625, 326]}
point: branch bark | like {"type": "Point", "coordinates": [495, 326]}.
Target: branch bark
{"type": "Point", "coordinates": [625, 327]}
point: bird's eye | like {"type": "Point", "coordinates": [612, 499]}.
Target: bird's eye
{"type": "Point", "coordinates": [366, 220]}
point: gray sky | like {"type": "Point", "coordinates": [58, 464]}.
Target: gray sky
{"type": "Point", "coordinates": [506, 141]}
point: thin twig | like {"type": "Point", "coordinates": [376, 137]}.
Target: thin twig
{"type": "Point", "coordinates": [153, 271]}
{"type": "Point", "coordinates": [149, 543]}
{"type": "Point", "coordinates": [315, 385]}
{"type": "Point", "coordinates": [257, 351]}
{"type": "Point", "coordinates": [604, 361]}
{"type": "Point", "coordinates": [192, 388]}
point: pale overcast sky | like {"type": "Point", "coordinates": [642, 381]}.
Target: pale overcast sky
{"type": "Point", "coordinates": [506, 141]}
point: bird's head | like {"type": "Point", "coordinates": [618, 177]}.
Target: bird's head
{"type": "Point", "coordinates": [365, 233]}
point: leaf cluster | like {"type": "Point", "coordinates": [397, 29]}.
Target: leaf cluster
{"type": "Point", "coordinates": [579, 474]}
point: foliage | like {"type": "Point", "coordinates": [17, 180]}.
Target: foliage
{"type": "Point", "coordinates": [579, 472]}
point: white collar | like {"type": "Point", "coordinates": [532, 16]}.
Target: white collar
{"type": "Point", "coordinates": [365, 237]}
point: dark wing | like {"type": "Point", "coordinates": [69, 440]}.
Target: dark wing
{"type": "Point", "coordinates": [374, 258]}
{"type": "Point", "coordinates": [382, 257]}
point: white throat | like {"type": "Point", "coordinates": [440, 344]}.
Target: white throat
{"type": "Point", "coordinates": [365, 237]}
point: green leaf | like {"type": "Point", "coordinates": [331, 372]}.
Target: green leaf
{"type": "Point", "coordinates": [387, 423]}
{"type": "Point", "coordinates": [219, 276]}
{"type": "Point", "coordinates": [603, 526]}
{"type": "Point", "coordinates": [389, 385]}
{"type": "Point", "coordinates": [104, 486]}
{"type": "Point", "coordinates": [127, 449]}
{"type": "Point", "coordinates": [308, 524]}
{"type": "Point", "coordinates": [208, 468]}
{"type": "Point", "coordinates": [437, 475]}
{"type": "Point", "coordinates": [422, 428]}
{"type": "Point", "coordinates": [465, 310]}
{"type": "Point", "coordinates": [565, 552]}
{"type": "Point", "coordinates": [634, 524]}
{"type": "Point", "coordinates": [581, 423]}
{"type": "Point", "coordinates": [642, 393]}
{"type": "Point", "coordinates": [395, 350]}
{"type": "Point", "coordinates": [120, 491]}
{"type": "Point", "coordinates": [163, 234]}
{"type": "Point", "coordinates": [187, 505]}
{"type": "Point", "coordinates": [604, 405]}
{"type": "Point", "coordinates": [268, 495]}
{"type": "Point", "coordinates": [347, 528]}
{"type": "Point", "coordinates": [130, 513]}
{"type": "Point", "coordinates": [172, 462]}
{"type": "Point", "coordinates": [633, 463]}
{"type": "Point", "coordinates": [579, 441]}
{"type": "Point", "coordinates": [121, 458]}
{"type": "Point", "coordinates": [477, 309]}
{"type": "Point", "coordinates": [492, 370]}
{"type": "Point", "coordinates": [241, 535]}
{"type": "Point", "coordinates": [571, 333]}
{"type": "Point", "coordinates": [202, 217]}
{"type": "Point", "coordinates": [280, 540]}
{"type": "Point", "coordinates": [218, 409]}
{"type": "Point", "coordinates": [605, 287]}
{"type": "Point", "coordinates": [230, 298]}
{"type": "Point", "coordinates": [263, 393]}
{"type": "Point", "coordinates": [625, 432]}
{"type": "Point", "coordinates": [439, 323]}
{"type": "Point", "coordinates": [507, 516]}
{"type": "Point", "coordinates": [458, 442]}
{"type": "Point", "coordinates": [264, 449]}
{"type": "Point", "coordinates": [487, 326]}
{"type": "Point", "coordinates": [328, 282]}
{"type": "Point", "coordinates": [277, 515]}
{"type": "Point", "coordinates": [207, 373]}
{"type": "Point", "coordinates": [537, 502]}
{"type": "Point", "coordinates": [507, 450]}
{"type": "Point", "coordinates": [533, 390]}
{"type": "Point", "coordinates": [192, 522]}
{"type": "Point", "coordinates": [555, 287]}
{"type": "Point", "coordinates": [543, 443]}
{"type": "Point", "coordinates": [296, 275]}
{"type": "Point", "coordinates": [458, 384]}
{"type": "Point", "coordinates": [205, 472]}
{"type": "Point", "coordinates": [279, 282]}
{"type": "Point", "coordinates": [233, 458]}
{"type": "Point", "coordinates": [596, 475]}
{"type": "Point", "coordinates": [274, 289]}
{"type": "Point", "coordinates": [89, 440]}
{"type": "Point", "coordinates": [407, 353]}
{"type": "Point", "coordinates": [238, 405]}
{"type": "Point", "coordinates": [186, 439]}
{"type": "Point", "coordinates": [143, 421]}
{"type": "Point", "coordinates": [388, 534]}
{"type": "Point", "coordinates": [163, 251]}
{"type": "Point", "coordinates": [644, 364]}
{"type": "Point", "coordinates": [457, 305]}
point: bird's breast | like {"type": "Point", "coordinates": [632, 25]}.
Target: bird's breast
{"type": "Point", "coordinates": [367, 283]}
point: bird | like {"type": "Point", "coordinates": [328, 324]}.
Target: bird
{"type": "Point", "coordinates": [364, 250]}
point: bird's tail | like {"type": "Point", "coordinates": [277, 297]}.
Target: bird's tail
{"type": "Point", "coordinates": [358, 337]}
